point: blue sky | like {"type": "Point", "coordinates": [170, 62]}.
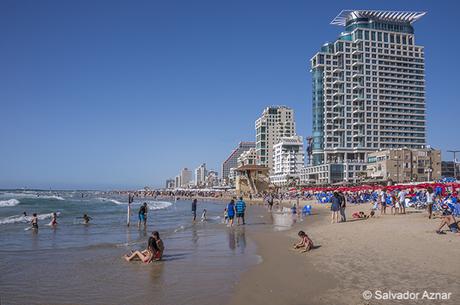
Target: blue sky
{"type": "Point", "coordinates": [106, 94]}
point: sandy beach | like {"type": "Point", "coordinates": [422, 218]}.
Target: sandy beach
{"type": "Point", "coordinates": [387, 253]}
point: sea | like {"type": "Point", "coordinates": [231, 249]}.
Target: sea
{"type": "Point", "coordinates": [75, 263]}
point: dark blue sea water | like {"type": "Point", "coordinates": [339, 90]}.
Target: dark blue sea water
{"type": "Point", "coordinates": [82, 264]}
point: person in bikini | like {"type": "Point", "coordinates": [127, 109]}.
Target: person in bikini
{"type": "Point", "coordinates": [305, 244]}
{"type": "Point", "coordinates": [154, 250]}
{"type": "Point", "coordinates": [53, 222]}
{"type": "Point", "coordinates": [448, 219]}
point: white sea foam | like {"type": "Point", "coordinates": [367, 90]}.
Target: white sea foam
{"type": "Point", "coordinates": [110, 200]}
{"type": "Point", "coordinates": [159, 205]}
{"type": "Point", "coordinates": [32, 195]}
{"type": "Point", "coordinates": [9, 203]}
{"type": "Point", "coordinates": [24, 219]}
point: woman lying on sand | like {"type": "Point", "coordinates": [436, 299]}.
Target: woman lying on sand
{"type": "Point", "coordinates": [154, 250]}
{"type": "Point", "coordinates": [305, 244]}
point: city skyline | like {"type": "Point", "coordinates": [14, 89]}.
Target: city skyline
{"type": "Point", "coordinates": [92, 103]}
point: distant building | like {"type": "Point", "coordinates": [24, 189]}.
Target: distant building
{"type": "Point", "coordinates": [212, 178]}
{"type": "Point", "coordinates": [185, 177]}
{"type": "Point", "coordinates": [274, 123]}
{"type": "Point", "coordinates": [231, 161]}
{"type": "Point", "coordinates": [288, 160]}
{"type": "Point", "coordinates": [448, 169]}
{"type": "Point", "coordinates": [177, 181]}
{"type": "Point", "coordinates": [200, 175]}
{"type": "Point", "coordinates": [170, 183]}
{"type": "Point", "coordinates": [404, 165]}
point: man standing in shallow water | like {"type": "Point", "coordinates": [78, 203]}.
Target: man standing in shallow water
{"type": "Point", "coordinates": [240, 208]}
{"type": "Point", "coordinates": [194, 209]}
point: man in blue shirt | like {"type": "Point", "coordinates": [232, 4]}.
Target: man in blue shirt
{"type": "Point", "coordinates": [240, 208]}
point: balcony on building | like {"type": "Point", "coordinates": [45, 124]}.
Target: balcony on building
{"type": "Point", "coordinates": [357, 74]}
{"type": "Point", "coordinates": [337, 93]}
{"type": "Point", "coordinates": [358, 110]}
{"type": "Point", "coordinates": [338, 105]}
{"type": "Point", "coordinates": [337, 69]}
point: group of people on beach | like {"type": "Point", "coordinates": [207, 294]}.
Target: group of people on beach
{"type": "Point", "coordinates": [233, 210]}
{"type": "Point", "coordinates": [447, 204]}
{"type": "Point", "coordinates": [53, 223]}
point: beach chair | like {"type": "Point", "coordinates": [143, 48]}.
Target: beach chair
{"type": "Point", "coordinates": [455, 208]}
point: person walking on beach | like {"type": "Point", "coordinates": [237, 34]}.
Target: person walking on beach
{"type": "Point", "coordinates": [270, 202]}
{"type": "Point", "coordinates": [383, 202]}
{"type": "Point", "coordinates": [240, 208]}
{"type": "Point", "coordinates": [231, 212]}
{"type": "Point", "coordinates": [194, 202]}
{"type": "Point", "coordinates": [142, 216]}
{"type": "Point", "coordinates": [429, 201]}
{"type": "Point", "coordinates": [335, 208]}
{"type": "Point", "coordinates": [343, 205]}
{"type": "Point", "coordinates": [402, 201]}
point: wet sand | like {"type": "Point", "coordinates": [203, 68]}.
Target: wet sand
{"type": "Point", "coordinates": [398, 253]}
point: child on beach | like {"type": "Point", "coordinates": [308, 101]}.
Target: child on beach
{"type": "Point", "coordinates": [203, 216]}
{"type": "Point", "coordinates": [305, 244]}
{"type": "Point", "coordinates": [225, 216]}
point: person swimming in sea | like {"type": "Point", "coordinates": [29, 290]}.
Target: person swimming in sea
{"type": "Point", "coordinates": [53, 222]}
{"type": "Point", "coordinates": [34, 222]}
{"type": "Point", "coordinates": [86, 219]}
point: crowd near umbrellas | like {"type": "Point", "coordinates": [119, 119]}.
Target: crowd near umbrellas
{"type": "Point", "coordinates": [365, 187]}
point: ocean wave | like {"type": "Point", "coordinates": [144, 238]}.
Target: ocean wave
{"type": "Point", "coordinates": [32, 195]}
{"type": "Point", "coordinates": [24, 219]}
{"type": "Point", "coordinates": [51, 197]}
{"type": "Point", "coordinates": [110, 200]}
{"type": "Point", "coordinates": [9, 203]}
{"type": "Point", "coordinates": [159, 205]}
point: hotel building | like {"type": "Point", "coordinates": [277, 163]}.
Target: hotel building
{"type": "Point", "coordinates": [368, 93]}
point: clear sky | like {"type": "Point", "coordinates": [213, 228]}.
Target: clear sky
{"type": "Point", "coordinates": [105, 94]}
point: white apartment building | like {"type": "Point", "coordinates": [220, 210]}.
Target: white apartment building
{"type": "Point", "coordinates": [368, 88]}
{"type": "Point", "coordinates": [274, 123]}
{"type": "Point", "coordinates": [200, 175]}
{"type": "Point", "coordinates": [248, 157]}
{"type": "Point", "coordinates": [288, 160]}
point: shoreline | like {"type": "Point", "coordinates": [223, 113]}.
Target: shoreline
{"type": "Point", "coordinates": [387, 253]}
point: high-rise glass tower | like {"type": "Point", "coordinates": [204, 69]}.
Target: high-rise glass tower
{"type": "Point", "coordinates": [368, 87]}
